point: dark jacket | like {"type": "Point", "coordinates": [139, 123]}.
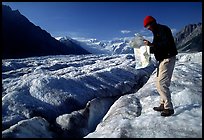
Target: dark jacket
{"type": "Point", "coordinates": [163, 41]}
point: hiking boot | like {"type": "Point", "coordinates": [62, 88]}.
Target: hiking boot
{"type": "Point", "coordinates": [160, 108]}
{"type": "Point", "coordinates": [167, 112]}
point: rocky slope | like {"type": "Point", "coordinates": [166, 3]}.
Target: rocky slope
{"type": "Point", "coordinates": [189, 39]}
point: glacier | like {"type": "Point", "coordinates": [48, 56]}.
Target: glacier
{"type": "Point", "coordinates": [97, 96]}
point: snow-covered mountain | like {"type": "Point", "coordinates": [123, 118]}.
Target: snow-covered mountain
{"type": "Point", "coordinates": [98, 96]}
{"type": "Point", "coordinates": [120, 46]}
{"type": "Point", "coordinates": [115, 46]}
{"type": "Point", "coordinates": [91, 45]}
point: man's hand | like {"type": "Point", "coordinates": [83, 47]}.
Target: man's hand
{"type": "Point", "coordinates": [146, 42]}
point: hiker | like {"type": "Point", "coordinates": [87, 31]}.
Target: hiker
{"type": "Point", "coordinates": [164, 49]}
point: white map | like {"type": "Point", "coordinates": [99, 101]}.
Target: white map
{"type": "Point", "coordinates": [141, 51]}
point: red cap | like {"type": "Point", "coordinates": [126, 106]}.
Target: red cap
{"type": "Point", "coordinates": [148, 20]}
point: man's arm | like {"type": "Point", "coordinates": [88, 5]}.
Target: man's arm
{"type": "Point", "coordinates": [151, 45]}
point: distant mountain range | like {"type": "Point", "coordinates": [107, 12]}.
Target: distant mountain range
{"type": "Point", "coordinates": [21, 38]}
{"type": "Point", "coordinates": [91, 45]}
{"type": "Point", "coordinates": [188, 39]}
{"type": "Point", "coordinates": [116, 46]}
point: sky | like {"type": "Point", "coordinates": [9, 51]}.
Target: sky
{"type": "Point", "coordinates": [54, 86]}
{"type": "Point", "coordinates": [106, 20]}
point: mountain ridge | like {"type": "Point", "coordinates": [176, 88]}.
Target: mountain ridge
{"type": "Point", "coordinates": [21, 38]}
{"type": "Point", "coordinates": [189, 39]}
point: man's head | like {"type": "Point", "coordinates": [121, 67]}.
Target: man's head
{"type": "Point", "coordinates": [149, 23]}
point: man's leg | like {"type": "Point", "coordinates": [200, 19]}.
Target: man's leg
{"type": "Point", "coordinates": [163, 81]}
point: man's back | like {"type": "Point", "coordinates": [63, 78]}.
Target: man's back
{"type": "Point", "coordinates": [164, 45]}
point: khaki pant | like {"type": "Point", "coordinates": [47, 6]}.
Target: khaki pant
{"type": "Point", "coordinates": [165, 72]}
